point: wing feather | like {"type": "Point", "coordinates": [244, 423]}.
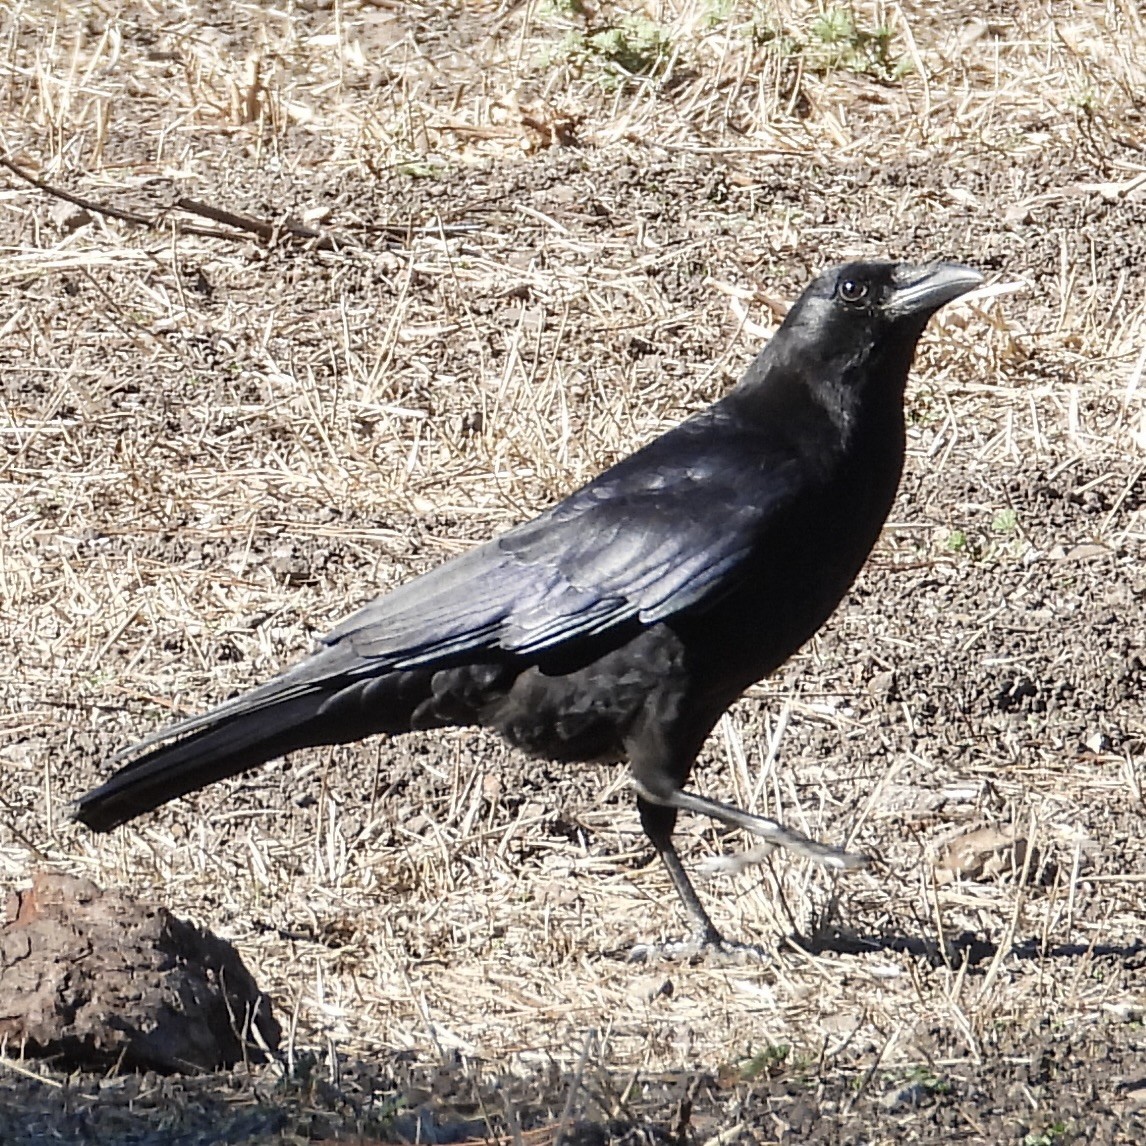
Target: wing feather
{"type": "Point", "coordinates": [658, 533]}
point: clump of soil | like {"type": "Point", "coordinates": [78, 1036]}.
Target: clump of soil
{"type": "Point", "coordinates": [95, 979]}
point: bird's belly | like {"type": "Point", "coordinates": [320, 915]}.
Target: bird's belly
{"type": "Point", "coordinates": [585, 715]}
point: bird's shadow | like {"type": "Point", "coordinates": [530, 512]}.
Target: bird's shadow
{"type": "Point", "coordinates": [965, 949]}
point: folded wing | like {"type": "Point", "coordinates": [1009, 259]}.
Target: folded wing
{"type": "Point", "coordinates": [658, 533]}
{"type": "Point", "coordinates": [649, 538]}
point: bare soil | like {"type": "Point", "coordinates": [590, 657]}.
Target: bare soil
{"type": "Point", "coordinates": [212, 446]}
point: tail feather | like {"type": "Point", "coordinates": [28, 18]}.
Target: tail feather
{"type": "Point", "coordinates": [301, 709]}
{"type": "Point", "coordinates": [264, 724]}
{"type": "Point", "coordinates": [233, 745]}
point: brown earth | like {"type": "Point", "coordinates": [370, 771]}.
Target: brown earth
{"type": "Point", "coordinates": [99, 981]}
{"type": "Point", "coordinates": [214, 446]}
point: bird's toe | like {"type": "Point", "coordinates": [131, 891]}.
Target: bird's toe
{"type": "Point", "coordinates": [703, 948]}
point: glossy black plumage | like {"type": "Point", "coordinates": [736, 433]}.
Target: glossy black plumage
{"type": "Point", "coordinates": [622, 622]}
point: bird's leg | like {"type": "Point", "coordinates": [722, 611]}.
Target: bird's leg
{"type": "Point", "coordinates": [770, 830]}
{"type": "Point", "coordinates": [658, 822]}
{"type": "Point", "coordinates": [704, 931]}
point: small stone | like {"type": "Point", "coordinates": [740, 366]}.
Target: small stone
{"type": "Point", "coordinates": [1098, 742]}
{"type": "Point", "coordinates": [882, 685]}
{"type": "Point", "coordinates": [985, 853]}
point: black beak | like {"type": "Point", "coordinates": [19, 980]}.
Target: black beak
{"type": "Point", "coordinates": [923, 290]}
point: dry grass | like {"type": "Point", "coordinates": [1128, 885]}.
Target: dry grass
{"type": "Point", "coordinates": [213, 448]}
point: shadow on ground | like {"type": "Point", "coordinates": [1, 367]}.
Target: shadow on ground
{"type": "Point", "coordinates": [1044, 1090]}
{"type": "Point", "coordinates": [972, 950]}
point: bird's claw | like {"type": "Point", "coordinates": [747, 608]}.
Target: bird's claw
{"type": "Point", "coordinates": [704, 947]}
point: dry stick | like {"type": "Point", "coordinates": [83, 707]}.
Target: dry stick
{"type": "Point", "coordinates": [574, 1087]}
{"type": "Point", "coordinates": [151, 223]}
{"type": "Point", "coordinates": [244, 224]}
{"type": "Point", "coordinates": [75, 200]}
{"type": "Point", "coordinates": [869, 1074]}
{"type": "Point", "coordinates": [1006, 944]}
{"type": "Point", "coordinates": [324, 241]}
{"type": "Point", "coordinates": [513, 1122]}
{"type": "Point", "coordinates": [17, 1068]}
{"type": "Point", "coordinates": [268, 232]}
{"type": "Point", "coordinates": [20, 838]}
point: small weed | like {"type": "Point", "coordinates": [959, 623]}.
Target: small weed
{"type": "Point", "coordinates": [760, 30]}
{"type": "Point", "coordinates": [835, 26]}
{"type": "Point", "coordinates": [1000, 539]}
{"type": "Point", "coordinates": [420, 169]}
{"type": "Point", "coordinates": [1005, 521]}
{"type": "Point", "coordinates": [928, 1080]}
{"type": "Point", "coordinates": [766, 1063]}
{"type": "Point", "coordinates": [1086, 98]}
{"type": "Point", "coordinates": [1051, 1136]}
{"type": "Point", "coordinates": [719, 13]}
{"type": "Point", "coordinates": [840, 43]}
{"type": "Point", "coordinates": [635, 46]}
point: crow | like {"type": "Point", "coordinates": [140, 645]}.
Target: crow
{"type": "Point", "coordinates": [619, 624]}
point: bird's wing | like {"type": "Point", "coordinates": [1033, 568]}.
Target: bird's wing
{"type": "Point", "coordinates": [655, 534]}
{"type": "Point", "coordinates": [661, 531]}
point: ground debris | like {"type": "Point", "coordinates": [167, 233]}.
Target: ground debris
{"type": "Point", "coordinates": [96, 980]}
{"type": "Point", "coordinates": [984, 852]}
{"type": "Point", "coordinates": [182, 411]}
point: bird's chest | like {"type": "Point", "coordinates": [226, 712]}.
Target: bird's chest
{"type": "Point", "coordinates": [804, 564]}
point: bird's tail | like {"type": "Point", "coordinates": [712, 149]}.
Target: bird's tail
{"type": "Point", "coordinates": [301, 709]}
{"type": "Point", "coordinates": [333, 697]}
{"type": "Point", "coordinates": [231, 745]}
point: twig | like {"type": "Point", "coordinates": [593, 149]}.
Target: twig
{"type": "Point", "coordinates": [268, 232]}
{"type": "Point", "coordinates": [245, 225]}
{"type": "Point", "coordinates": [75, 200]}
{"type": "Point", "coordinates": [574, 1088]}
{"type": "Point", "coordinates": [91, 205]}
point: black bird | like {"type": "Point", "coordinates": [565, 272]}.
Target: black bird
{"type": "Point", "coordinates": [621, 623]}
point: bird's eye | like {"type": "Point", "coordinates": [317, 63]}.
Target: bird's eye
{"type": "Point", "coordinates": [852, 291]}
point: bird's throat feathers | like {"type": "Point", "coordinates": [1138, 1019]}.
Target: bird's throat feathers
{"type": "Point", "coordinates": [804, 380]}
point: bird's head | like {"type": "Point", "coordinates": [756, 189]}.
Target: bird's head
{"type": "Point", "coordinates": [861, 310]}
{"type": "Point", "coordinates": [849, 339]}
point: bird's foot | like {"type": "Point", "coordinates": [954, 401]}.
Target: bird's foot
{"type": "Point", "coordinates": [734, 864]}
{"type": "Point", "coordinates": [703, 947]}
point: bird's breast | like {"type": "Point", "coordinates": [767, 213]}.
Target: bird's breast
{"type": "Point", "coordinates": [804, 563]}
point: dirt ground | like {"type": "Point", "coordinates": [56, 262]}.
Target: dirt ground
{"type": "Point", "coordinates": [537, 234]}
